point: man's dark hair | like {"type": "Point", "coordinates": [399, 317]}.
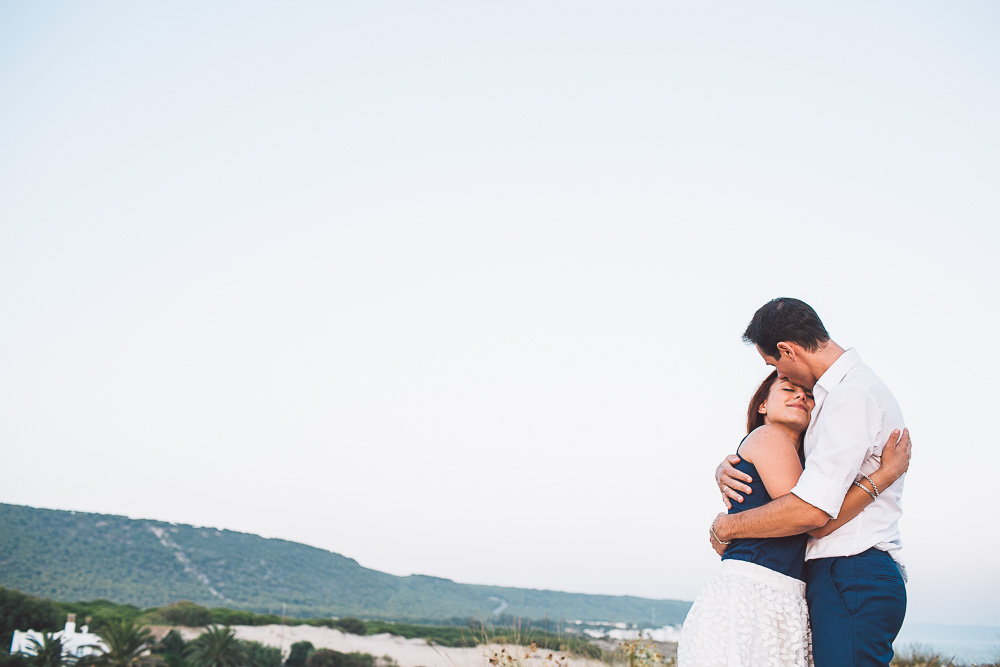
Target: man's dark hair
{"type": "Point", "coordinates": [785, 319]}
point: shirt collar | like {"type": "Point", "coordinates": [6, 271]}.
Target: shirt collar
{"type": "Point", "coordinates": [836, 372]}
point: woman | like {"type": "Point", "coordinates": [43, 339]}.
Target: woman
{"type": "Point", "coordinates": [754, 612]}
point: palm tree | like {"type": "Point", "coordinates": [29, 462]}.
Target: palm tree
{"type": "Point", "coordinates": [124, 644]}
{"type": "Point", "coordinates": [216, 647]}
{"type": "Point", "coordinates": [49, 652]}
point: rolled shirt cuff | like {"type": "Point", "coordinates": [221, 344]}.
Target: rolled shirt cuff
{"type": "Point", "coordinates": [819, 492]}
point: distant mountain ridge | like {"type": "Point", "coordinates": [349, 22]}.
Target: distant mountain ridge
{"type": "Point", "coordinates": [66, 555]}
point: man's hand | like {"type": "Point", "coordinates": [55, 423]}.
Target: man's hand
{"type": "Point", "coordinates": [895, 459]}
{"type": "Point", "coordinates": [731, 481]}
{"type": "Point", "coordinates": [717, 544]}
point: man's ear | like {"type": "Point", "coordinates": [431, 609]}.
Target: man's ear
{"type": "Point", "coordinates": [786, 349]}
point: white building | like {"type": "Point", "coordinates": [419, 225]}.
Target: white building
{"type": "Point", "coordinates": [76, 644]}
{"type": "Point", "coordinates": [668, 633]}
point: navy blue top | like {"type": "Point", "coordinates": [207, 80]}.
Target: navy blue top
{"type": "Point", "coordinates": [786, 555]}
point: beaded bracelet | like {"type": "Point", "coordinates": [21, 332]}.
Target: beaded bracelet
{"type": "Point", "coordinates": [874, 488]}
{"type": "Point", "coordinates": [862, 487]}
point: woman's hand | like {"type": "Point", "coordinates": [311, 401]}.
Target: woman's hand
{"type": "Point", "coordinates": [896, 455]}
{"type": "Point", "coordinates": [731, 481]}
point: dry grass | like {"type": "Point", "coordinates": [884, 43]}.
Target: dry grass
{"type": "Point", "coordinates": [922, 656]}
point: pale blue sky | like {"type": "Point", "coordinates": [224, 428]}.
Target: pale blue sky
{"type": "Point", "coordinates": [484, 269]}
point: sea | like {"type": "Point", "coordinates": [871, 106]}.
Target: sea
{"type": "Point", "coordinates": [967, 644]}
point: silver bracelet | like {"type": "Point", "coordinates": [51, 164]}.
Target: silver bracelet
{"type": "Point", "coordinates": [875, 488]}
{"type": "Point", "coordinates": [862, 487]}
{"type": "Point", "coordinates": [712, 528]}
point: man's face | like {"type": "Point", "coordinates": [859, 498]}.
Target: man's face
{"type": "Point", "coordinates": [790, 368]}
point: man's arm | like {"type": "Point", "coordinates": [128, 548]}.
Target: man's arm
{"type": "Point", "coordinates": [787, 515]}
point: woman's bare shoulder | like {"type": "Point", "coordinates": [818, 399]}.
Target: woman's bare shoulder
{"type": "Point", "coordinates": [765, 439]}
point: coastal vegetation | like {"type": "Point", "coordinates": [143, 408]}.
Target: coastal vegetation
{"type": "Point", "coordinates": [64, 555]}
{"type": "Point", "coordinates": [325, 657]}
{"type": "Point", "coordinates": [128, 644]}
{"type": "Point", "coordinates": [124, 644]}
{"type": "Point", "coordinates": [48, 650]}
{"type": "Point", "coordinates": [216, 647]}
{"type": "Point", "coordinates": [122, 628]}
{"type": "Point", "coordinates": [926, 657]}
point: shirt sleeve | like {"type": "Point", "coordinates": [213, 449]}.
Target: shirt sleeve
{"type": "Point", "coordinates": [844, 436]}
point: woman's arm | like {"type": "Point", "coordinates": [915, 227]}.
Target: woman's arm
{"type": "Point", "coordinates": [895, 461]}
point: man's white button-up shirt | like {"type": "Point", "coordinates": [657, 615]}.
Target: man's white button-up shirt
{"type": "Point", "coordinates": [853, 417]}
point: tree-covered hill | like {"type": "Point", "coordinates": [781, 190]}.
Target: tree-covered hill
{"type": "Point", "coordinates": [75, 555]}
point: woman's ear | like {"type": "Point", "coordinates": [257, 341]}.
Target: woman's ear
{"type": "Point", "coordinates": [762, 409]}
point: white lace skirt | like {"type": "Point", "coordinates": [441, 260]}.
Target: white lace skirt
{"type": "Point", "coordinates": [747, 616]}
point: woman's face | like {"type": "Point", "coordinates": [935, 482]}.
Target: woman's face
{"type": "Point", "coordinates": [789, 405]}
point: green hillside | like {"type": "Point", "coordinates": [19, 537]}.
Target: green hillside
{"type": "Point", "coordinates": [75, 556]}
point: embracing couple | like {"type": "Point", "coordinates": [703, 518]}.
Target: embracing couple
{"type": "Point", "coordinates": [810, 546]}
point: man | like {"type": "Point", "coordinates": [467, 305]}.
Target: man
{"type": "Point", "coordinates": [854, 582]}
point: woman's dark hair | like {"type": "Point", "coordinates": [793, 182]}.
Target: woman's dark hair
{"type": "Point", "coordinates": [785, 319]}
{"type": "Point", "coordinates": [754, 418]}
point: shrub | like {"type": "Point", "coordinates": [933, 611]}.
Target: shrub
{"type": "Point", "coordinates": [183, 613]}
{"type": "Point", "coordinates": [223, 616]}
{"type": "Point", "coordinates": [328, 658]}
{"type": "Point", "coordinates": [172, 644]}
{"type": "Point", "coordinates": [258, 655]}
{"type": "Point", "coordinates": [352, 625]}
{"type": "Point", "coordinates": [14, 660]}
{"type": "Point", "coordinates": [299, 653]}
